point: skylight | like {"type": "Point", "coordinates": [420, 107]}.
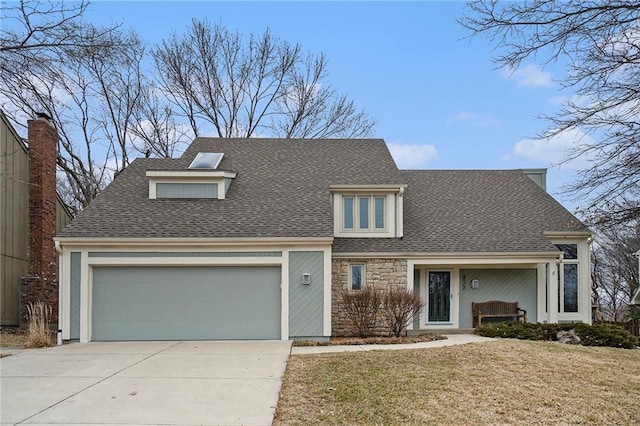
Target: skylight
{"type": "Point", "coordinates": [207, 160]}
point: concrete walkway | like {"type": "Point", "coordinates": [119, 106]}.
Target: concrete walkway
{"type": "Point", "coordinates": [144, 383]}
{"type": "Point", "coordinates": [451, 339]}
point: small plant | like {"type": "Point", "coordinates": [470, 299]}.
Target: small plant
{"type": "Point", "coordinates": [400, 305]}
{"type": "Point", "coordinates": [39, 335]}
{"type": "Point", "coordinates": [362, 308]}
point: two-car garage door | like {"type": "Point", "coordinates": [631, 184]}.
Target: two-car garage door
{"type": "Point", "coordinates": [186, 303]}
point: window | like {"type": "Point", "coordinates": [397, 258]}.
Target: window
{"type": "Point", "coordinates": [568, 275]}
{"type": "Point", "coordinates": [364, 213]}
{"type": "Point", "coordinates": [186, 190]}
{"type": "Point", "coordinates": [356, 276]}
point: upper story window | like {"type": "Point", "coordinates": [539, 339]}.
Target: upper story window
{"type": "Point", "coordinates": [364, 212]}
{"type": "Point", "coordinates": [373, 211]}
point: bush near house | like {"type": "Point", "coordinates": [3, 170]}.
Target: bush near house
{"type": "Point", "coordinates": [399, 305]}
{"type": "Point", "coordinates": [362, 308]}
{"type": "Point", "coordinates": [370, 307]}
{"type": "Point", "coordinates": [590, 335]}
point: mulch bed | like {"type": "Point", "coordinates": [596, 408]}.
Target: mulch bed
{"type": "Point", "coordinates": [377, 340]}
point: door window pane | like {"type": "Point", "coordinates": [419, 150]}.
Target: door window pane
{"type": "Point", "coordinates": [570, 287]}
{"type": "Point", "coordinates": [364, 212]}
{"type": "Point", "coordinates": [438, 296]}
{"type": "Point", "coordinates": [347, 203]}
{"type": "Point", "coordinates": [379, 212]}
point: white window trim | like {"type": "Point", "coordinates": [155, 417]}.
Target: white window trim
{"type": "Point", "coordinates": [584, 280]}
{"type": "Point", "coordinates": [392, 216]}
{"type": "Point", "coordinates": [371, 216]}
{"type": "Point", "coordinates": [363, 276]}
{"type": "Point", "coordinates": [181, 176]}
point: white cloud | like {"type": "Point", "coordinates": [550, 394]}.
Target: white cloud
{"type": "Point", "coordinates": [472, 119]}
{"type": "Point", "coordinates": [530, 76]}
{"type": "Point", "coordinates": [412, 156]}
{"type": "Point", "coordinates": [551, 151]}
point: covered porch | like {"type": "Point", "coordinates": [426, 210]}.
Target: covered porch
{"type": "Point", "coordinates": [548, 290]}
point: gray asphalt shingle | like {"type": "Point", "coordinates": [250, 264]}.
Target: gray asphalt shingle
{"type": "Point", "coordinates": [282, 190]}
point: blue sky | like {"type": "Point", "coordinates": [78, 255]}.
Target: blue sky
{"type": "Point", "coordinates": [438, 98]}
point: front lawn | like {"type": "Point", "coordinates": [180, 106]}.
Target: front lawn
{"type": "Point", "coordinates": [502, 382]}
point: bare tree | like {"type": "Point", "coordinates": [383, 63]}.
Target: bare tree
{"type": "Point", "coordinates": [264, 87]}
{"type": "Point", "coordinates": [86, 78]}
{"type": "Point", "coordinates": [615, 268]}
{"type": "Point", "coordinates": [600, 42]}
{"type": "Point", "coordinates": [92, 82]}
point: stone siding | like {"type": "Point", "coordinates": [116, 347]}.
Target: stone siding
{"type": "Point", "coordinates": [381, 273]}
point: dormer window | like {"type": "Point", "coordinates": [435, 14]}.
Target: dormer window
{"type": "Point", "coordinates": [201, 181]}
{"type": "Point", "coordinates": [362, 211]}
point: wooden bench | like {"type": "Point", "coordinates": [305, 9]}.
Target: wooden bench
{"type": "Point", "coordinates": [496, 309]}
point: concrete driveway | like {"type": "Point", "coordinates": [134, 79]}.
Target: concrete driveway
{"type": "Point", "coordinates": [168, 383]}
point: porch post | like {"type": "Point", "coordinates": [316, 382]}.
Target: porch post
{"type": "Point", "coordinates": [543, 315]}
{"type": "Point", "coordinates": [553, 292]}
{"type": "Point", "coordinates": [410, 267]}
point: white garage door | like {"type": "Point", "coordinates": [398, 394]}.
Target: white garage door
{"type": "Point", "coordinates": [185, 303]}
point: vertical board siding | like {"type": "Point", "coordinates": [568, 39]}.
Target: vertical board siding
{"type": "Point", "coordinates": [75, 295]}
{"type": "Point", "coordinates": [306, 303]}
{"type": "Point", "coordinates": [14, 220]}
{"type": "Point", "coordinates": [507, 285]}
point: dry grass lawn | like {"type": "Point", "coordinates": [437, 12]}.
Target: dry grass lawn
{"type": "Point", "coordinates": [503, 382]}
{"type": "Point", "coordinates": [13, 337]}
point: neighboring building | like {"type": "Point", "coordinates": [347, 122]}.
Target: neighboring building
{"type": "Point", "coordinates": [635, 299]}
{"type": "Point", "coordinates": [30, 214]}
{"type": "Point", "coordinates": [256, 239]}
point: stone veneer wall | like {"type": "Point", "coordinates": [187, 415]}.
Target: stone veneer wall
{"type": "Point", "coordinates": [381, 273]}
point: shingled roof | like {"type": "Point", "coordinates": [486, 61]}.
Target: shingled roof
{"type": "Point", "coordinates": [469, 211]}
{"type": "Point", "coordinates": [282, 190]}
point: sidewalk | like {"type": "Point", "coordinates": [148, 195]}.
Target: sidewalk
{"type": "Point", "coordinates": [451, 339]}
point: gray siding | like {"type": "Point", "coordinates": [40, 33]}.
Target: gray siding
{"type": "Point", "coordinates": [75, 277]}
{"type": "Point", "coordinates": [306, 302]}
{"type": "Point", "coordinates": [186, 303]}
{"type": "Point", "coordinates": [508, 285]}
{"type": "Point", "coordinates": [186, 190]}
{"type": "Point", "coordinates": [14, 220]}
{"type": "Point", "coordinates": [63, 217]}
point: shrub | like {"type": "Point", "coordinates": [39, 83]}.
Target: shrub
{"type": "Point", "coordinates": [39, 335]}
{"type": "Point", "coordinates": [511, 330]}
{"type": "Point", "coordinates": [605, 335]}
{"type": "Point", "coordinates": [400, 305]}
{"type": "Point", "coordinates": [361, 307]}
{"type": "Point", "coordinates": [590, 335]}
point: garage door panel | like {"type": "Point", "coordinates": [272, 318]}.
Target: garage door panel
{"type": "Point", "coordinates": [179, 303]}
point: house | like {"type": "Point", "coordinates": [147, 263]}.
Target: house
{"type": "Point", "coordinates": [31, 212]}
{"type": "Point", "coordinates": [255, 238]}
{"type": "Point", "coordinates": [635, 299]}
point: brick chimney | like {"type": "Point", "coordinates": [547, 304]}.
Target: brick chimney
{"type": "Point", "coordinates": [41, 284]}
